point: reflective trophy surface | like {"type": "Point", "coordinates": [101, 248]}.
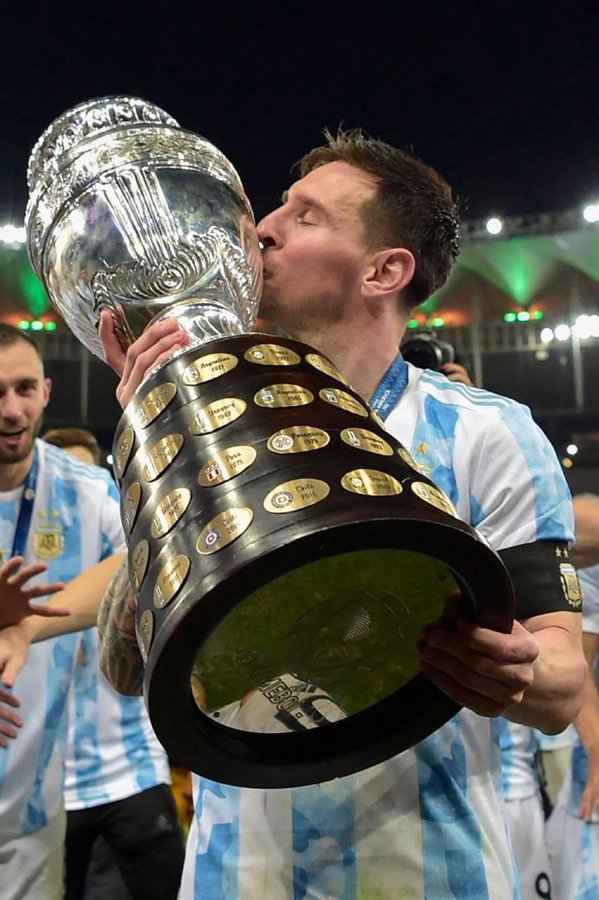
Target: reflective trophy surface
{"type": "Point", "coordinates": [286, 551]}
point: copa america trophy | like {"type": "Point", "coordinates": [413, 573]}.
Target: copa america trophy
{"type": "Point", "coordinates": [286, 551]}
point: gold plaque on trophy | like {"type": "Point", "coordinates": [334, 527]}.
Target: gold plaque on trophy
{"type": "Point", "coordinates": [169, 511]}
{"type": "Point", "coordinates": [131, 504]}
{"type": "Point", "coordinates": [122, 451]}
{"type": "Point", "coordinates": [209, 367]}
{"type": "Point", "coordinates": [343, 400]}
{"type": "Point", "coordinates": [370, 482]}
{"type": "Point", "coordinates": [226, 465]}
{"type": "Point", "coordinates": [283, 395]}
{"type": "Point", "coordinates": [366, 440]}
{"type": "Point", "coordinates": [139, 562]}
{"type": "Point", "coordinates": [224, 529]}
{"type": "Point", "coordinates": [216, 415]}
{"type": "Point", "coordinates": [171, 579]}
{"type": "Point", "coordinates": [271, 355]}
{"type": "Point", "coordinates": [296, 494]}
{"type": "Point", "coordinates": [299, 439]}
{"type": "Point", "coordinates": [155, 402]}
{"type": "Point", "coordinates": [161, 456]}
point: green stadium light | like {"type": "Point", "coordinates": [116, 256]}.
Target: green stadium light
{"type": "Point", "coordinates": [413, 323]}
{"type": "Point", "coordinates": [24, 325]}
{"type": "Point", "coordinates": [523, 316]}
{"type": "Point", "coordinates": [50, 326]}
{"type": "Point", "coordinates": [537, 314]}
{"type": "Point", "coordinates": [510, 317]}
{"type": "Point", "coordinates": [438, 322]}
{"type": "Point", "coordinates": [36, 325]}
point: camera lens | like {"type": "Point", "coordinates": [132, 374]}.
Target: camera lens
{"type": "Point", "coordinates": [426, 351]}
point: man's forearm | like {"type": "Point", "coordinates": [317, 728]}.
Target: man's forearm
{"type": "Point", "coordinates": [555, 697]}
{"type": "Point", "coordinates": [120, 659]}
{"type": "Point", "coordinates": [82, 597]}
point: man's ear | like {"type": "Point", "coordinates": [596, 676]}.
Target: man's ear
{"type": "Point", "coordinates": [390, 272]}
{"type": "Point", "coordinates": [46, 391]}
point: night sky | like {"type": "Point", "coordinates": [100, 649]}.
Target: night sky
{"type": "Point", "coordinates": [502, 98]}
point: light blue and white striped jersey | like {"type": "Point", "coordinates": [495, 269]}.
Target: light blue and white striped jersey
{"type": "Point", "coordinates": [560, 741]}
{"type": "Point", "coordinates": [519, 748]}
{"type": "Point", "coordinates": [589, 582]}
{"type": "Point", "coordinates": [75, 523]}
{"type": "Point", "coordinates": [429, 822]}
{"type": "Point", "coordinates": [112, 751]}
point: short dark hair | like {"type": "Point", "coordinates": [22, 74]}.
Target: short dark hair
{"type": "Point", "coordinates": [413, 206]}
{"type": "Point", "coordinates": [74, 437]}
{"type": "Point", "coordinates": [10, 335]}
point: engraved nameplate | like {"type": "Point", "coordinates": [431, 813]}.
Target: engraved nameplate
{"type": "Point", "coordinates": [371, 483]}
{"type": "Point", "coordinates": [298, 439]}
{"type": "Point", "coordinates": [226, 465]}
{"type": "Point", "coordinates": [224, 529]}
{"type": "Point", "coordinates": [155, 402]}
{"type": "Point", "coordinates": [169, 511]}
{"type": "Point", "coordinates": [343, 400]}
{"type": "Point", "coordinates": [209, 367]}
{"type": "Point", "coordinates": [271, 355]}
{"type": "Point", "coordinates": [296, 494]}
{"type": "Point", "coordinates": [170, 580]}
{"type": "Point", "coordinates": [216, 415]}
{"type": "Point", "coordinates": [279, 395]}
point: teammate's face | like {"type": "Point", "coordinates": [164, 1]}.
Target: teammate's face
{"type": "Point", "coordinates": [24, 394]}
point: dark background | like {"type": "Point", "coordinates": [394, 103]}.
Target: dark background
{"type": "Point", "coordinates": [502, 98]}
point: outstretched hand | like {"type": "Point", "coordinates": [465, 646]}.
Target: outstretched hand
{"type": "Point", "coordinates": [10, 722]}
{"type": "Point", "coordinates": [157, 344]}
{"type": "Point", "coordinates": [16, 599]}
{"type": "Point", "coordinates": [483, 670]}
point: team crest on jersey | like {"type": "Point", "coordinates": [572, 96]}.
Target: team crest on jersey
{"type": "Point", "coordinates": [570, 584]}
{"type": "Point", "coordinates": [48, 540]}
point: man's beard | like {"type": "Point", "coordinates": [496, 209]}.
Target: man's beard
{"type": "Point", "coordinates": [18, 456]}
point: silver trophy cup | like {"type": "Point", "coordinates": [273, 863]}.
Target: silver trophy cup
{"type": "Point", "coordinates": [286, 551]}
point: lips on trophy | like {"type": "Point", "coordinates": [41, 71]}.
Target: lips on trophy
{"type": "Point", "coordinates": [285, 550]}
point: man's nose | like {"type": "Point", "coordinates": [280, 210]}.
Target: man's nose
{"type": "Point", "coordinates": [267, 231]}
{"type": "Point", "coordinates": [10, 407]}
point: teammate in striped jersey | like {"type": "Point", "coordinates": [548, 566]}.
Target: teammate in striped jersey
{"type": "Point", "coordinates": [573, 828]}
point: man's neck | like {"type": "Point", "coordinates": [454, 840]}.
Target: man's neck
{"type": "Point", "coordinates": [14, 475]}
{"type": "Point", "coordinates": [363, 358]}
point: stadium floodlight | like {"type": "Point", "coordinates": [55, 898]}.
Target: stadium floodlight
{"type": "Point", "coordinates": [571, 449]}
{"type": "Point", "coordinates": [547, 335]}
{"type": "Point", "coordinates": [12, 234]}
{"type": "Point", "coordinates": [591, 212]}
{"type": "Point", "coordinates": [494, 225]}
{"type": "Point", "coordinates": [562, 332]}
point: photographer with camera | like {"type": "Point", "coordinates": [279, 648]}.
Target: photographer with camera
{"type": "Point", "coordinates": [425, 351]}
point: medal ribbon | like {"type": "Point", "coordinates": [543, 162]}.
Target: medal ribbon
{"type": "Point", "coordinates": [391, 387]}
{"type": "Point", "coordinates": [24, 518]}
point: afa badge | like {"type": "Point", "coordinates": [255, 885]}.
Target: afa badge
{"type": "Point", "coordinates": [570, 585]}
{"type": "Point", "coordinates": [48, 542]}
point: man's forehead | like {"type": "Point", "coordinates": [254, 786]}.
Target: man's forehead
{"type": "Point", "coordinates": [337, 182]}
{"type": "Point", "coordinates": [21, 360]}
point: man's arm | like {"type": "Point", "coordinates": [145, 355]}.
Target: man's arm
{"type": "Point", "coordinates": [587, 724]}
{"type": "Point", "coordinates": [120, 659]}
{"type": "Point", "coordinates": [81, 596]}
{"type": "Point", "coordinates": [585, 551]}
{"type": "Point", "coordinates": [534, 675]}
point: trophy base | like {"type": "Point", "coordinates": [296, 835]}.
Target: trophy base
{"type": "Point", "coordinates": [287, 554]}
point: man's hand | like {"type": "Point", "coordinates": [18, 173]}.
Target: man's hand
{"type": "Point", "coordinates": [14, 651]}
{"type": "Point", "coordinates": [483, 670]}
{"type": "Point", "coordinates": [10, 722]}
{"type": "Point", "coordinates": [16, 598]}
{"type": "Point", "coordinates": [457, 372]}
{"type": "Point", "coordinates": [154, 347]}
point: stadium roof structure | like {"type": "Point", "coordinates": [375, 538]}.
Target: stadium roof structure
{"type": "Point", "coordinates": [547, 263]}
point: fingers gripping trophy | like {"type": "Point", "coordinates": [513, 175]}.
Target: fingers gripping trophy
{"type": "Point", "coordinates": [285, 550]}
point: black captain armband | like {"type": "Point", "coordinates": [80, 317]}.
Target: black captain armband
{"type": "Point", "coordinates": [544, 579]}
